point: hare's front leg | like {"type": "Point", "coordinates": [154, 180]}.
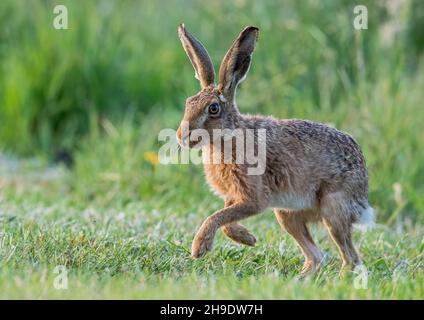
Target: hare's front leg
{"type": "Point", "coordinates": [204, 238]}
{"type": "Point", "coordinates": [237, 232]}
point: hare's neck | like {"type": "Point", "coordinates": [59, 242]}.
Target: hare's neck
{"type": "Point", "coordinates": [219, 152]}
{"type": "Point", "coordinates": [222, 148]}
{"type": "Point", "coordinates": [237, 119]}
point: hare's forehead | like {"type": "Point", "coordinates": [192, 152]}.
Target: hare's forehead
{"type": "Point", "coordinates": [202, 99]}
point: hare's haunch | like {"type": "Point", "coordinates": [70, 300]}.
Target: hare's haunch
{"type": "Point", "coordinates": [312, 172]}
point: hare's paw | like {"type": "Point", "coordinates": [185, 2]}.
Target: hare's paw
{"type": "Point", "coordinates": [202, 242]}
{"type": "Point", "coordinates": [200, 246]}
{"type": "Point", "coordinates": [248, 239]}
{"type": "Point", "coordinates": [239, 234]}
{"type": "Point", "coordinates": [309, 269]}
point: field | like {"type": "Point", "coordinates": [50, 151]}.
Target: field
{"type": "Point", "coordinates": [121, 223]}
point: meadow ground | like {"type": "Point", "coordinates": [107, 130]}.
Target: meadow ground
{"type": "Point", "coordinates": [141, 250]}
{"type": "Point", "coordinates": [122, 223]}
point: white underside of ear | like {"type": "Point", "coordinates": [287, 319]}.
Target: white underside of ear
{"type": "Point", "coordinates": [244, 77]}
{"type": "Point", "coordinates": [196, 75]}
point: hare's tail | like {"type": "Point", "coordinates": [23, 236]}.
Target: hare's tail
{"type": "Point", "coordinates": [366, 219]}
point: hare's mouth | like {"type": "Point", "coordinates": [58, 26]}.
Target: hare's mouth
{"type": "Point", "coordinates": [194, 143]}
{"type": "Point", "coordinates": [188, 142]}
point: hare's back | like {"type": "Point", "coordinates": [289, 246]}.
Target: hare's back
{"type": "Point", "coordinates": [313, 155]}
{"type": "Point", "coordinates": [322, 143]}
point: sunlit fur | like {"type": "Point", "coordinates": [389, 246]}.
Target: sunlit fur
{"type": "Point", "coordinates": [313, 172]}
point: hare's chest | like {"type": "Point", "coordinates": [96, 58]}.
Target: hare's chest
{"type": "Point", "coordinates": [225, 180]}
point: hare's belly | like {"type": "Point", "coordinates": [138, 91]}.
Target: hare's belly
{"type": "Point", "coordinates": [293, 201]}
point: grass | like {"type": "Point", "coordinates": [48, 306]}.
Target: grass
{"type": "Point", "coordinates": [133, 250]}
{"type": "Point", "coordinates": [123, 224]}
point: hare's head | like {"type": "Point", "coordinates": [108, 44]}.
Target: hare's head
{"type": "Point", "coordinates": [214, 106]}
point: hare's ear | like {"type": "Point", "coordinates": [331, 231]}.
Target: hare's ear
{"type": "Point", "coordinates": [198, 56]}
{"type": "Point", "coordinates": [236, 63]}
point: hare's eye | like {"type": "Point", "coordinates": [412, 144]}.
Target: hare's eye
{"type": "Point", "coordinates": [213, 108]}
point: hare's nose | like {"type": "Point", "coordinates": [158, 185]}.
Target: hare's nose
{"type": "Point", "coordinates": [183, 135]}
{"type": "Point", "coordinates": [179, 134]}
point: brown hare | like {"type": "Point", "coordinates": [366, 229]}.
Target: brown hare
{"type": "Point", "coordinates": [313, 172]}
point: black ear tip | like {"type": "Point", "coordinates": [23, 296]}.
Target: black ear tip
{"type": "Point", "coordinates": [181, 28]}
{"type": "Point", "coordinates": [251, 28]}
{"type": "Point", "coordinates": [256, 31]}
{"type": "Point", "coordinates": [249, 32]}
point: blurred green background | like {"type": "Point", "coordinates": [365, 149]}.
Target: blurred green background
{"type": "Point", "coordinates": [103, 89]}
{"type": "Point", "coordinates": [122, 223]}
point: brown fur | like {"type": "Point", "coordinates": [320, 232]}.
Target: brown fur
{"type": "Point", "coordinates": [313, 171]}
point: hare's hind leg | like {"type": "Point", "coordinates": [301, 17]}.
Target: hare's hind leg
{"type": "Point", "coordinates": [294, 222]}
{"type": "Point", "coordinates": [337, 215]}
